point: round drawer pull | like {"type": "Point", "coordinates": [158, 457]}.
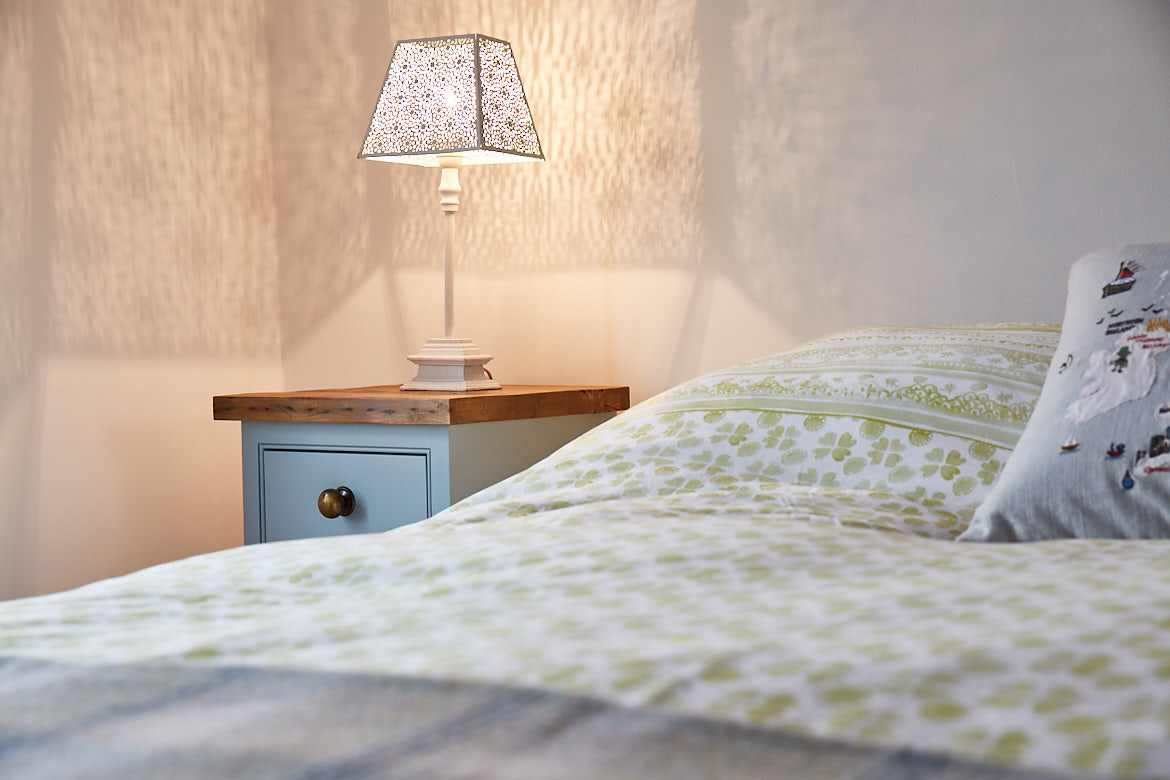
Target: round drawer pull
{"type": "Point", "coordinates": [336, 502]}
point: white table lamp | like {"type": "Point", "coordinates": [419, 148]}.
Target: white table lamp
{"type": "Point", "coordinates": [448, 102]}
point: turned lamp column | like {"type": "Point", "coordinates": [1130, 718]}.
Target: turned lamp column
{"type": "Point", "coordinates": [447, 102]}
{"type": "Point", "coordinates": [449, 192]}
{"type": "Point", "coordinates": [450, 363]}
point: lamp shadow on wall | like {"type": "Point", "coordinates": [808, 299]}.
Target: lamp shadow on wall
{"type": "Point", "coordinates": [819, 138]}
{"type": "Point", "coordinates": [891, 162]}
{"type": "Point", "coordinates": [330, 237]}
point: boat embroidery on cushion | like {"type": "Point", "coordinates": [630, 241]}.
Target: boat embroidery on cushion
{"type": "Point", "coordinates": [1124, 280]}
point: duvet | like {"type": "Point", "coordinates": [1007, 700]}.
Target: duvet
{"type": "Point", "coordinates": [767, 550]}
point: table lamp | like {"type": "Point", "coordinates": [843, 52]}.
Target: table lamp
{"type": "Point", "coordinates": [447, 102]}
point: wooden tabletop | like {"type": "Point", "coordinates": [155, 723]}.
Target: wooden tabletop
{"type": "Point", "coordinates": [390, 405]}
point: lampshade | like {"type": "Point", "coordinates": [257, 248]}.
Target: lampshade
{"type": "Point", "coordinates": [459, 94]}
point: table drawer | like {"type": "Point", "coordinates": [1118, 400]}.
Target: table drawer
{"type": "Point", "coordinates": [390, 489]}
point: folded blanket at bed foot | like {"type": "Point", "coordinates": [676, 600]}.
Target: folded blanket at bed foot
{"type": "Point", "coordinates": [126, 721]}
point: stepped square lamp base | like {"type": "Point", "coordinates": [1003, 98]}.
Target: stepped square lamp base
{"type": "Point", "coordinates": [450, 365]}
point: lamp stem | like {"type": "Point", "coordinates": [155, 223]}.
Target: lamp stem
{"type": "Point", "coordinates": [449, 191]}
{"type": "Point", "coordinates": [449, 278]}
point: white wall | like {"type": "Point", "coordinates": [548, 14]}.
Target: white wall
{"type": "Point", "coordinates": [183, 214]}
{"type": "Point", "coordinates": [726, 179]}
{"type": "Point", "coordinates": [132, 469]}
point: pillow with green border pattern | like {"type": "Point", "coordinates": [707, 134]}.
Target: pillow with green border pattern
{"type": "Point", "coordinates": [917, 419]}
{"type": "Point", "coordinates": [934, 409]}
{"type": "Point", "coordinates": [1094, 461]}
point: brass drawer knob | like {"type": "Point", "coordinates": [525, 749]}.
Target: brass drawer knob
{"type": "Point", "coordinates": [336, 502]}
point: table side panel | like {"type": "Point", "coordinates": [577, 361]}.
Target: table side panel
{"type": "Point", "coordinates": [484, 453]}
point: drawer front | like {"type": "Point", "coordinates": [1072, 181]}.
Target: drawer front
{"type": "Point", "coordinates": [390, 489]}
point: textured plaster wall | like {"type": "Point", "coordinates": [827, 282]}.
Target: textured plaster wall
{"type": "Point", "coordinates": [138, 275]}
{"type": "Point", "coordinates": [18, 301]}
{"type": "Point", "coordinates": [182, 213]}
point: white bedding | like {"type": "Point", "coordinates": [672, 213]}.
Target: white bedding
{"type": "Point", "coordinates": [672, 559]}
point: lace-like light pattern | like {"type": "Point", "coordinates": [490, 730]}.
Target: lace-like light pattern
{"type": "Point", "coordinates": [439, 97]}
{"type": "Point", "coordinates": [507, 122]}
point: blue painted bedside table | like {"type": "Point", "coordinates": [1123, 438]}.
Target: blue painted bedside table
{"type": "Point", "coordinates": [361, 460]}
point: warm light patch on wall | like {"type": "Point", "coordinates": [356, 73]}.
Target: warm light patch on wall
{"type": "Point", "coordinates": [163, 180]}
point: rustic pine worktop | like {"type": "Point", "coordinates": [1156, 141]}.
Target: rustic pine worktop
{"type": "Point", "coordinates": [390, 405]}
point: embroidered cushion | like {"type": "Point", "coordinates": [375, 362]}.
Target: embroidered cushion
{"type": "Point", "coordinates": [1094, 460]}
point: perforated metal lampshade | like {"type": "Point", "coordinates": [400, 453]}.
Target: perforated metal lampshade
{"type": "Point", "coordinates": [455, 94]}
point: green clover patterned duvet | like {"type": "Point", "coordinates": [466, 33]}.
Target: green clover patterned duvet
{"type": "Point", "coordinates": [770, 545]}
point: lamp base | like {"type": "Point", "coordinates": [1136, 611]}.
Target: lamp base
{"type": "Point", "coordinates": [450, 365]}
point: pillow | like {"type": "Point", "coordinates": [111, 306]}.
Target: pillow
{"type": "Point", "coordinates": [1094, 460]}
{"type": "Point", "coordinates": [927, 410]}
{"type": "Point", "coordinates": [924, 417]}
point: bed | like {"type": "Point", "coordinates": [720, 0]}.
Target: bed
{"type": "Point", "coordinates": [751, 574]}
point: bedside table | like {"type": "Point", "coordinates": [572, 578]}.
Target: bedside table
{"type": "Point", "coordinates": [361, 460]}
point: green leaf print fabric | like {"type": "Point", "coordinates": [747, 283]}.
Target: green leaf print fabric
{"type": "Point", "coordinates": [674, 559]}
{"type": "Point", "coordinates": [914, 423]}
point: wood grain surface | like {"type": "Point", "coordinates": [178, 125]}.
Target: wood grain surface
{"type": "Point", "coordinates": [390, 405]}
